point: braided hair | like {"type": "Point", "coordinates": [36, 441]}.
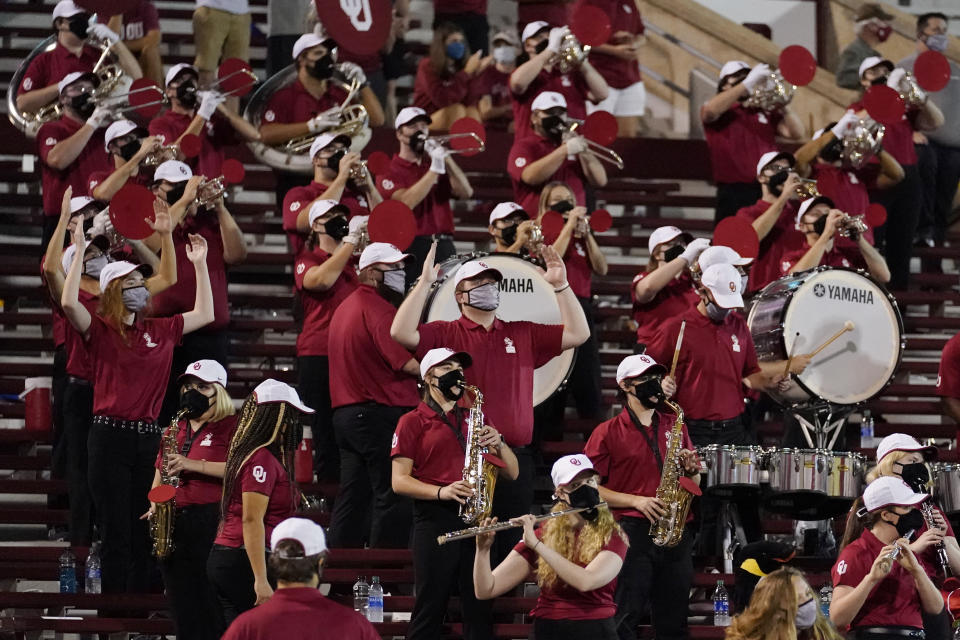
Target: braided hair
{"type": "Point", "coordinates": [274, 426]}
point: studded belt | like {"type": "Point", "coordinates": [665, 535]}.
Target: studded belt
{"type": "Point", "coordinates": [141, 427]}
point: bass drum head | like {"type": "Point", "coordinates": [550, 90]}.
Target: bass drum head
{"type": "Point", "coordinates": [524, 295]}
{"type": "Point", "coordinates": [859, 364]}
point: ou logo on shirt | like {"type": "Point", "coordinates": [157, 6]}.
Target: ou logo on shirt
{"type": "Point", "coordinates": [395, 442]}
{"type": "Point", "coordinates": [259, 474]}
{"type": "Point", "coordinates": [841, 567]}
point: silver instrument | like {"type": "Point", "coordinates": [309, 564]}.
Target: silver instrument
{"type": "Point", "coordinates": [861, 143]}
{"type": "Point", "coordinates": [772, 95]}
{"type": "Point", "coordinates": [606, 154]}
{"type": "Point", "coordinates": [732, 469]}
{"type": "Point", "coordinates": [571, 55]}
{"type": "Point", "coordinates": [473, 532]}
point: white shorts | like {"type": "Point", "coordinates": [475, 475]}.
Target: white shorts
{"type": "Point", "coordinates": [623, 102]}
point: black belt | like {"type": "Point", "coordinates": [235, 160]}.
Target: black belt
{"type": "Point", "coordinates": [80, 381]}
{"type": "Point", "coordinates": [714, 425]}
{"type": "Point", "coordinates": [141, 427]}
{"type": "Point", "coordinates": [438, 236]}
{"type": "Point", "coordinates": [905, 632]}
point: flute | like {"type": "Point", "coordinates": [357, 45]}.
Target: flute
{"type": "Point", "coordinates": [887, 561]}
{"type": "Point", "coordinates": [500, 526]}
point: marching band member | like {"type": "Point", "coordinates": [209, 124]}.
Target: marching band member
{"type": "Point", "coordinates": [664, 289]}
{"type": "Point", "coordinates": [324, 278]}
{"type": "Point", "coordinates": [297, 609]}
{"type": "Point", "coordinates": [819, 221]}
{"type": "Point", "coordinates": [259, 492]}
{"type": "Point", "coordinates": [628, 452]}
{"type": "Point", "coordinates": [332, 164]}
{"type": "Point", "coordinates": [874, 595]}
{"type": "Point", "coordinates": [738, 136]}
{"type": "Point", "coordinates": [202, 440]}
{"type": "Point", "coordinates": [418, 178]}
{"type": "Point", "coordinates": [948, 379]}
{"type": "Point", "coordinates": [719, 254]}
{"type": "Point", "coordinates": [444, 76]}
{"type": "Point", "coordinates": [510, 226]}
{"type": "Point", "coordinates": [72, 53]}
{"type": "Point", "coordinates": [428, 452]}
{"type": "Point", "coordinates": [375, 385]}
{"type": "Point", "coordinates": [543, 155]}
{"type": "Point", "coordinates": [490, 88]}
{"type": "Point", "coordinates": [576, 559]}
{"type": "Point", "coordinates": [539, 73]}
{"type": "Point", "coordinates": [139, 28]}
{"type": "Point", "coordinates": [128, 147]}
{"type": "Point", "coordinates": [131, 360]}
{"type": "Point", "coordinates": [783, 605]}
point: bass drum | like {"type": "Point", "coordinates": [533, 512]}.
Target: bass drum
{"type": "Point", "coordinates": [796, 314]}
{"type": "Point", "coordinates": [524, 295]}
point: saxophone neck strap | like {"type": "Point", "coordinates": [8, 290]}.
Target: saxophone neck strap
{"type": "Point", "coordinates": [457, 413]}
{"type": "Point", "coordinates": [652, 440]}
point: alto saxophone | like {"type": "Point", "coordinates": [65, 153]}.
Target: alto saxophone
{"type": "Point", "coordinates": [161, 524]}
{"type": "Point", "coordinates": [668, 530]}
{"type": "Point", "coordinates": [478, 472]}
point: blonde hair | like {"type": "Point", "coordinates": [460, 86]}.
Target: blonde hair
{"type": "Point", "coordinates": [559, 534]}
{"type": "Point", "coordinates": [222, 404]}
{"type": "Point", "coordinates": [548, 188]}
{"type": "Point", "coordinates": [885, 466]}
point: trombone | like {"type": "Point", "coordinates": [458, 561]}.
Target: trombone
{"type": "Point", "coordinates": [601, 152]}
{"type": "Point", "coordinates": [433, 142]}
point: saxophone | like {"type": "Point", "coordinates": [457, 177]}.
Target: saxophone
{"type": "Point", "coordinates": [161, 524]}
{"type": "Point", "coordinates": [668, 530]}
{"type": "Point", "coordinates": [477, 470]}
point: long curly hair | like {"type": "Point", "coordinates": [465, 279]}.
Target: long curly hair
{"type": "Point", "coordinates": [560, 535]}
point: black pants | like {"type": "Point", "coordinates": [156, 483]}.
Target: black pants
{"type": "Point", "coordinates": [585, 378]}
{"type": "Point", "coordinates": [656, 579]}
{"type": "Point", "coordinates": [475, 28]}
{"type": "Point", "coordinates": [419, 250]}
{"type": "Point", "coordinates": [512, 499]}
{"type": "Point", "coordinates": [313, 383]}
{"type": "Point", "coordinates": [280, 52]}
{"type": "Point", "coordinates": [897, 235]}
{"type": "Point", "coordinates": [367, 509]}
{"type": "Point", "coordinates": [603, 629]}
{"type": "Point", "coordinates": [733, 196]}
{"type": "Point", "coordinates": [199, 345]}
{"type": "Point", "coordinates": [196, 611]}
{"type": "Point", "coordinates": [230, 575]}
{"type": "Point", "coordinates": [78, 410]}
{"type": "Point", "coordinates": [58, 390]}
{"type": "Point", "coordinates": [121, 471]}
{"type": "Point", "coordinates": [440, 571]}
{"type": "Point", "coordinates": [943, 163]}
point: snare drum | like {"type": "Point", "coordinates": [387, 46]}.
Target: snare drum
{"type": "Point", "coordinates": [813, 484]}
{"type": "Point", "coordinates": [731, 469]}
{"type": "Point", "coordinates": [946, 477]}
{"type": "Point", "coordinates": [845, 474]}
{"type": "Point", "coordinates": [524, 295]}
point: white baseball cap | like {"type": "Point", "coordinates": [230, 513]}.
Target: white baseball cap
{"type": "Point", "coordinates": [507, 35]}
{"type": "Point", "coordinates": [533, 28]}
{"type": "Point", "coordinates": [377, 252]}
{"type": "Point", "coordinates": [79, 203]}
{"type": "Point", "coordinates": [505, 209]}
{"type": "Point", "coordinates": [441, 355]}
{"type": "Point", "coordinates": [567, 468]}
{"type": "Point", "coordinates": [809, 202]}
{"type": "Point", "coordinates": [872, 61]}
{"type": "Point", "coordinates": [635, 365]}
{"type": "Point", "coordinates": [307, 532]}
{"type": "Point", "coordinates": [732, 67]}
{"type": "Point", "coordinates": [307, 41]}
{"type": "Point", "coordinates": [271, 390]}
{"type": "Point", "coordinates": [890, 491]}
{"type": "Point", "coordinates": [665, 234]}
{"type": "Point", "coordinates": [321, 141]}
{"type": "Point", "coordinates": [173, 171]}
{"type": "Point", "coordinates": [98, 241]}
{"type": "Point", "coordinates": [408, 115]}
{"type": "Point", "coordinates": [474, 268]}
{"type": "Point", "coordinates": [720, 254]}
{"type": "Point", "coordinates": [723, 281]}
{"type": "Point", "coordinates": [321, 208]}
{"type": "Point", "coordinates": [207, 370]}
{"type": "Point", "coordinates": [548, 100]}
{"type": "Point", "coordinates": [903, 442]}
{"type": "Point", "coordinates": [66, 9]}
{"type": "Point", "coordinates": [175, 70]}
{"type": "Point", "coordinates": [116, 130]}
{"type": "Point", "coordinates": [72, 77]}
{"type": "Point", "coordinates": [121, 269]}
{"type": "Point", "coordinates": [772, 156]}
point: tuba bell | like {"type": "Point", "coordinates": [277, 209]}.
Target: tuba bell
{"type": "Point", "coordinates": [772, 95]}
{"type": "Point", "coordinates": [861, 142]}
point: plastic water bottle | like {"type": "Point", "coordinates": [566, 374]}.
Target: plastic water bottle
{"type": "Point", "coordinates": [361, 596]}
{"type": "Point", "coordinates": [721, 606]}
{"type": "Point", "coordinates": [867, 439]}
{"type": "Point", "coordinates": [68, 572]}
{"type": "Point", "coordinates": [375, 612]}
{"type": "Point", "coordinates": [826, 597]}
{"type": "Point", "coordinates": [92, 575]}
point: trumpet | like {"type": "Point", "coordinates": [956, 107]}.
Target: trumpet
{"type": "Point", "coordinates": [910, 92]}
{"type": "Point", "coordinates": [438, 141]}
{"type": "Point", "coordinates": [535, 240]}
{"type": "Point", "coordinates": [601, 152]}
{"type": "Point", "coordinates": [772, 95]}
{"type": "Point", "coordinates": [359, 172]}
{"type": "Point", "coordinates": [851, 225]}
{"type": "Point", "coordinates": [807, 189]}
{"type": "Point", "coordinates": [571, 55]}
{"type": "Point", "coordinates": [861, 142]}
{"type": "Point", "coordinates": [161, 154]}
{"type": "Point", "coordinates": [209, 191]}
{"type": "Point", "coordinates": [473, 532]}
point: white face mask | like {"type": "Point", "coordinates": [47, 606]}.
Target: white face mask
{"type": "Point", "coordinates": [395, 280]}
{"type": "Point", "coordinates": [806, 614]}
{"type": "Point", "coordinates": [505, 55]}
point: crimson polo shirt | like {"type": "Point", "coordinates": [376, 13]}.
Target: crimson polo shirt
{"type": "Point", "coordinates": [50, 67]}
{"type": "Point", "coordinates": [675, 298]}
{"type": "Point", "coordinates": [294, 103]}
{"type": "Point", "coordinates": [736, 141]}
{"type": "Point", "coordinates": [432, 92]}
{"type": "Point", "coordinates": [898, 137]}
{"type": "Point", "coordinates": [618, 73]}
{"type": "Point", "coordinates": [302, 613]}
{"type": "Point", "coordinates": [948, 378]}
{"type": "Point", "coordinates": [143, 178]}
{"type": "Point", "coordinates": [131, 371]}
{"type": "Point", "coordinates": [714, 359]}
{"type": "Point", "coordinates": [369, 363]}
{"type": "Point", "coordinates": [55, 181]}
{"type": "Point", "coordinates": [433, 214]}
{"type": "Point", "coordinates": [427, 439]}
{"type": "Point", "coordinates": [503, 362]}
{"type": "Point", "coordinates": [216, 133]}
{"type": "Point", "coordinates": [494, 83]}
{"type": "Point", "coordinates": [139, 22]}
{"type": "Point", "coordinates": [838, 256]}
{"type": "Point", "coordinates": [528, 150]}
{"type": "Point", "coordinates": [79, 363]}
{"type": "Point", "coordinates": [894, 601]}
{"type": "Point", "coordinates": [300, 198]}
{"type": "Point", "coordinates": [783, 237]}
{"type": "Point", "coordinates": [210, 442]}
{"type": "Point", "coordinates": [622, 456]}
{"type": "Point", "coordinates": [563, 602]}
{"type": "Point", "coordinates": [318, 306]}
{"type": "Point", "coordinates": [478, 7]}
{"type": "Point", "coordinates": [571, 85]}
{"type": "Point", "coordinates": [579, 271]}
{"type": "Point", "coordinates": [262, 473]}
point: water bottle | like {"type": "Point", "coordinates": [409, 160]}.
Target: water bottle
{"type": "Point", "coordinates": [92, 575]}
{"type": "Point", "coordinates": [826, 597]}
{"type": "Point", "coordinates": [867, 440]}
{"type": "Point", "coordinates": [68, 572]}
{"type": "Point", "coordinates": [375, 612]}
{"type": "Point", "coordinates": [361, 596]}
{"type": "Point", "coordinates": [721, 606]}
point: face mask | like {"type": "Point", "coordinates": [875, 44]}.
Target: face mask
{"type": "Point", "coordinates": [552, 125]}
{"type": "Point", "coordinates": [128, 150]}
{"type": "Point", "coordinates": [831, 152]}
{"type": "Point", "coordinates": [93, 266]}
{"type": "Point", "coordinates": [333, 162]}
{"type": "Point", "coordinates": [647, 389]}
{"type": "Point", "coordinates": [884, 32]}
{"type": "Point", "coordinates": [509, 234]}
{"type": "Point", "coordinates": [455, 50]}
{"type": "Point", "coordinates": [337, 228]}
{"type": "Point", "coordinates": [322, 69]}
{"type": "Point", "coordinates": [83, 105]}
{"type": "Point", "coordinates": [174, 195]}
{"type": "Point", "coordinates": [563, 206]}
{"type": "Point", "coordinates": [715, 313]}
{"type": "Point", "coordinates": [395, 280]}
{"type": "Point", "coordinates": [541, 46]}
{"type": "Point", "coordinates": [187, 94]}
{"type": "Point", "coordinates": [673, 253]}
{"type": "Point", "coordinates": [916, 475]}
{"type": "Point", "coordinates": [775, 182]}
{"type": "Point", "coordinates": [908, 522]}
{"type": "Point", "coordinates": [743, 283]}
{"type": "Point", "coordinates": [585, 496]}
{"type": "Point", "coordinates": [486, 297]}
{"type": "Point", "coordinates": [135, 298]}
{"type": "Point", "coordinates": [506, 55]}
{"type": "Point", "coordinates": [195, 402]}
{"type": "Point", "coordinates": [876, 82]}
{"type": "Point", "coordinates": [79, 24]}
{"type": "Point", "coordinates": [936, 42]}
{"type": "Point", "coordinates": [417, 140]}
{"type": "Point", "coordinates": [806, 614]}
{"type": "Point", "coordinates": [448, 381]}
{"type": "Point", "coordinates": [820, 225]}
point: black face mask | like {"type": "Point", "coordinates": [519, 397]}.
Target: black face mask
{"type": "Point", "coordinates": [83, 105]}
{"type": "Point", "coordinates": [563, 206]}
{"type": "Point", "coordinates": [509, 234]}
{"type": "Point", "coordinates": [585, 496]}
{"type": "Point", "coordinates": [916, 475]}
{"type": "Point", "coordinates": [195, 403]}
{"type": "Point", "coordinates": [876, 82]}
{"type": "Point", "coordinates": [187, 94]}
{"type": "Point", "coordinates": [775, 182]}
{"type": "Point", "coordinates": [79, 24]}
{"type": "Point", "coordinates": [542, 45]}
{"type": "Point", "coordinates": [553, 126]}
{"type": "Point", "coordinates": [322, 69]}
{"type": "Point", "coordinates": [673, 253]}
{"type": "Point", "coordinates": [908, 522]}
{"type": "Point", "coordinates": [417, 140]}
{"type": "Point", "coordinates": [831, 152]}
{"type": "Point", "coordinates": [337, 228]}
{"type": "Point", "coordinates": [128, 150]}
{"type": "Point", "coordinates": [174, 195]}
{"type": "Point", "coordinates": [333, 162]}
{"type": "Point", "coordinates": [820, 225]}
{"type": "Point", "coordinates": [448, 381]}
{"type": "Point", "coordinates": [649, 389]}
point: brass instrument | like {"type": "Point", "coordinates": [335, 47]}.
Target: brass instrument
{"type": "Point", "coordinates": [851, 225]}
{"type": "Point", "coordinates": [161, 523]}
{"type": "Point", "coordinates": [437, 141]}
{"type": "Point", "coordinates": [477, 471]}
{"type": "Point", "coordinates": [571, 55]}
{"type": "Point", "coordinates": [772, 95]}
{"type": "Point", "coordinates": [668, 530]}
{"type": "Point", "coordinates": [599, 151]}
{"type": "Point", "coordinates": [359, 172]}
{"type": "Point", "coordinates": [910, 92]}
{"type": "Point", "coordinates": [209, 191]}
{"type": "Point", "coordinates": [807, 189]}
{"type": "Point", "coordinates": [363, 239]}
{"type": "Point", "coordinates": [861, 142]}
{"type": "Point", "coordinates": [473, 532]}
{"type": "Point", "coordinates": [535, 241]}
{"type": "Point", "coordinates": [161, 154]}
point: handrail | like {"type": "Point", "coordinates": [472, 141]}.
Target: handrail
{"type": "Point", "coordinates": [669, 37]}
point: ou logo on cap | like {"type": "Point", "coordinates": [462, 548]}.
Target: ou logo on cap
{"type": "Point", "coordinates": [733, 287]}
{"type": "Point", "coordinates": [575, 462]}
{"type": "Point", "coordinates": [196, 366]}
{"type": "Point", "coordinates": [646, 359]}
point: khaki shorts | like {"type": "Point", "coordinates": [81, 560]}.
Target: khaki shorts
{"type": "Point", "coordinates": [220, 34]}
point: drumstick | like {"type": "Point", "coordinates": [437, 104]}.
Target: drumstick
{"type": "Point", "coordinates": [793, 346]}
{"type": "Point", "coordinates": [847, 326]}
{"type": "Point", "coordinates": [676, 350]}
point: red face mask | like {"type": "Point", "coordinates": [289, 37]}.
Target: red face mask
{"type": "Point", "coordinates": [883, 33]}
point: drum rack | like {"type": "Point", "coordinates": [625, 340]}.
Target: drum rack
{"type": "Point", "coordinates": [822, 422]}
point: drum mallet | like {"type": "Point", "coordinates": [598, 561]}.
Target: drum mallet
{"type": "Point", "coordinates": [793, 347]}
{"type": "Point", "coordinates": [676, 350]}
{"type": "Point", "coordinates": [847, 326]}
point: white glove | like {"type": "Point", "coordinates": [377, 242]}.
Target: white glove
{"type": "Point", "coordinates": [576, 145]}
{"type": "Point", "coordinates": [209, 101]}
{"type": "Point", "coordinates": [102, 225]}
{"type": "Point", "coordinates": [325, 120]}
{"type": "Point", "coordinates": [556, 35]}
{"type": "Point", "coordinates": [438, 157]}
{"type": "Point", "coordinates": [694, 249]}
{"type": "Point", "coordinates": [100, 117]}
{"type": "Point", "coordinates": [893, 80]}
{"type": "Point", "coordinates": [352, 71]}
{"type": "Point", "coordinates": [357, 223]}
{"type": "Point", "coordinates": [849, 120]}
{"type": "Point", "coordinates": [760, 73]}
{"type": "Point", "coordinates": [103, 32]}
